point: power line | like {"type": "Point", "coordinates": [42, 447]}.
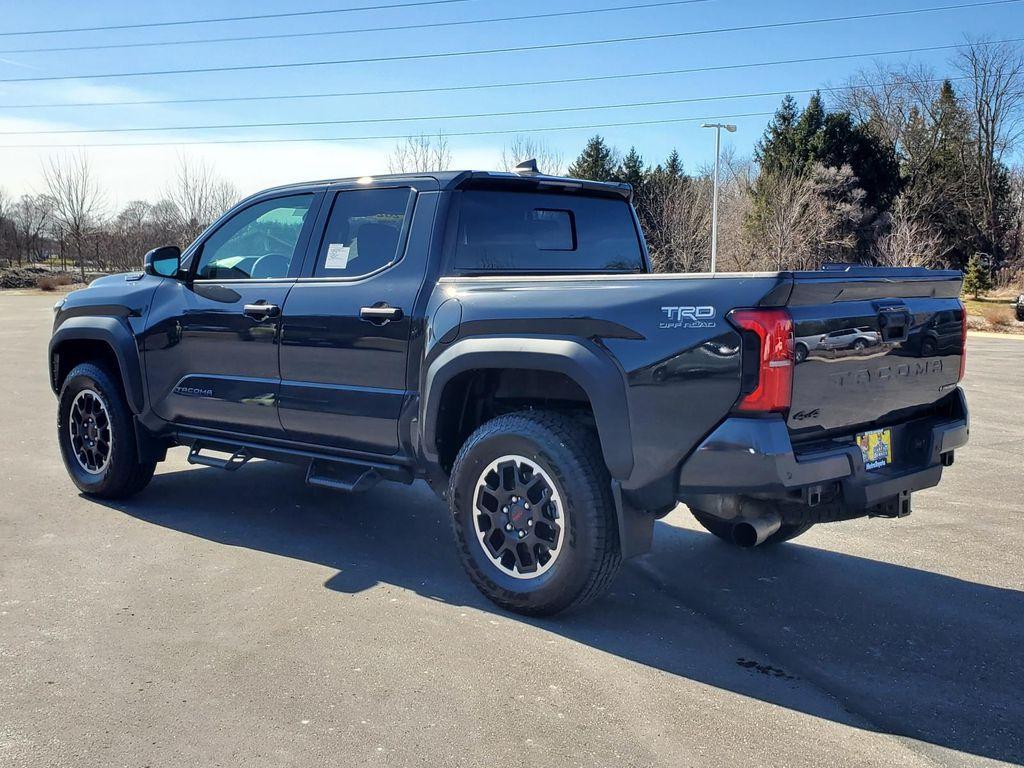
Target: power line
{"type": "Point", "coordinates": [516, 84]}
{"type": "Point", "coordinates": [513, 49]}
{"type": "Point", "coordinates": [470, 116]}
{"type": "Point", "coordinates": [499, 132]}
{"type": "Point", "coordinates": [255, 17]}
{"type": "Point", "coordinates": [328, 33]}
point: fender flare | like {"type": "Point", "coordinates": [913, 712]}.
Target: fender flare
{"type": "Point", "coordinates": [114, 333]}
{"type": "Point", "coordinates": [596, 373]}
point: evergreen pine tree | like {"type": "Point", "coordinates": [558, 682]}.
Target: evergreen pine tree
{"type": "Point", "coordinates": [632, 171]}
{"type": "Point", "coordinates": [976, 278]}
{"type": "Point", "coordinates": [807, 138]}
{"type": "Point", "coordinates": [596, 162]}
{"type": "Point", "coordinates": [838, 142]}
{"type": "Point", "coordinates": [776, 151]}
{"type": "Point", "coordinates": [673, 165]}
{"type": "Point", "coordinates": [939, 186]}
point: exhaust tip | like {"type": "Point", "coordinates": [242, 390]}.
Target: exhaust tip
{"type": "Point", "coordinates": [744, 535]}
{"type": "Point", "coordinates": [753, 531]}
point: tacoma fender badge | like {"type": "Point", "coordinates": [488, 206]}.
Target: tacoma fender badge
{"type": "Point", "coordinates": [193, 392]}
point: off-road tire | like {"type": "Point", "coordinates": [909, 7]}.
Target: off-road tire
{"type": "Point", "coordinates": [124, 475]}
{"type": "Point", "coordinates": [569, 453]}
{"type": "Point", "coordinates": [723, 530]}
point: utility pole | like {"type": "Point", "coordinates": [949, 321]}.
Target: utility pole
{"type": "Point", "coordinates": [714, 202]}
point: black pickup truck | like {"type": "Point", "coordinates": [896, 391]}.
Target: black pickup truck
{"type": "Point", "coordinates": [501, 337]}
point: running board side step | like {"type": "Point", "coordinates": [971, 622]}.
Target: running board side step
{"type": "Point", "coordinates": [349, 478]}
{"type": "Point", "coordinates": [338, 473]}
{"type": "Point", "coordinates": [234, 462]}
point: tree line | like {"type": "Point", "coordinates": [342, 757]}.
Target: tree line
{"type": "Point", "coordinates": [69, 223]}
{"type": "Point", "coordinates": [898, 167]}
{"type": "Point", "coordinates": [902, 169]}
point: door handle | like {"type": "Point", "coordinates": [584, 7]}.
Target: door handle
{"type": "Point", "coordinates": [381, 313]}
{"type": "Point", "coordinates": [261, 311]}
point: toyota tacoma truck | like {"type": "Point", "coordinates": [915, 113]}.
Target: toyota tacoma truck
{"type": "Point", "coordinates": [501, 336]}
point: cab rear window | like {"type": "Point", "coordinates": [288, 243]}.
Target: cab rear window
{"type": "Point", "coordinates": [529, 232]}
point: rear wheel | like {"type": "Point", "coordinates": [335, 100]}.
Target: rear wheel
{"type": "Point", "coordinates": [97, 437]}
{"type": "Point", "coordinates": [723, 529]}
{"type": "Point", "coordinates": [532, 513]}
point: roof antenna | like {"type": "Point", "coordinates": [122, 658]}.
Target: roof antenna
{"type": "Point", "coordinates": [527, 168]}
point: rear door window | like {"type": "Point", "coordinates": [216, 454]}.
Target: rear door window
{"type": "Point", "coordinates": [365, 232]}
{"type": "Point", "coordinates": [531, 232]}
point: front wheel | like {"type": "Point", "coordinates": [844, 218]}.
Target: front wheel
{"type": "Point", "coordinates": [533, 514]}
{"type": "Point", "coordinates": [723, 529]}
{"type": "Point", "coordinates": [97, 437]}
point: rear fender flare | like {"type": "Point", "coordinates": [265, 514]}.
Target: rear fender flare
{"type": "Point", "coordinates": [595, 372]}
{"type": "Point", "coordinates": [113, 332]}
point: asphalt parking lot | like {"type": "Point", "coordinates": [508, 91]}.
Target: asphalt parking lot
{"type": "Point", "coordinates": [246, 619]}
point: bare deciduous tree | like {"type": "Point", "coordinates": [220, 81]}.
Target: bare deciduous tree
{"type": "Point", "coordinates": [679, 212]}
{"type": "Point", "coordinates": [6, 225]}
{"type": "Point", "coordinates": [520, 148]}
{"type": "Point", "coordinates": [909, 239]}
{"type": "Point", "coordinates": [76, 197]}
{"type": "Point", "coordinates": [31, 217]}
{"type": "Point", "coordinates": [419, 154]}
{"type": "Point", "coordinates": [735, 204]}
{"type": "Point", "coordinates": [995, 74]}
{"type": "Point", "coordinates": [199, 195]}
{"type": "Point", "coordinates": [1016, 234]}
{"type": "Point", "coordinates": [131, 234]}
{"type": "Point", "coordinates": [891, 100]}
{"type": "Point", "coordinates": [810, 218]}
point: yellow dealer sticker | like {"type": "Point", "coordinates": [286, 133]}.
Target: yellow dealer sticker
{"type": "Point", "coordinates": [876, 448]}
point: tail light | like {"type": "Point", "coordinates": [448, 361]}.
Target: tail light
{"type": "Point", "coordinates": [767, 359]}
{"type": "Point", "coordinates": [963, 341]}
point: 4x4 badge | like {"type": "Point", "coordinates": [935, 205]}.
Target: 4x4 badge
{"type": "Point", "coordinates": [805, 415]}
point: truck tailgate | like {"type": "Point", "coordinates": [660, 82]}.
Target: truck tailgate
{"type": "Point", "coordinates": [872, 344]}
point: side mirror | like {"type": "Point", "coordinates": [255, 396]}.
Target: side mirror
{"type": "Point", "coordinates": [162, 262]}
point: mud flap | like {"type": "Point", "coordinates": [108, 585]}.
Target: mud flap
{"type": "Point", "coordinates": [636, 526]}
{"type": "Point", "coordinates": [149, 447]}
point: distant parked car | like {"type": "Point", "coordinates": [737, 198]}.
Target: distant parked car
{"type": "Point", "coordinates": [937, 336]}
{"type": "Point", "coordinates": [804, 345]}
{"type": "Point", "coordinates": [1019, 307]}
{"type": "Point", "coordinates": [851, 338]}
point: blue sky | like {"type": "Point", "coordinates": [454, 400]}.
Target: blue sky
{"type": "Point", "coordinates": [137, 172]}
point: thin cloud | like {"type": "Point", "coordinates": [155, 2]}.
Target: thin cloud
{"type": "Point", "coordinates": [20, 64]}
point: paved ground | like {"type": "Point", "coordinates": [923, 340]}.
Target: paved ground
{"type": "Point", "coordinates": [249, 620]}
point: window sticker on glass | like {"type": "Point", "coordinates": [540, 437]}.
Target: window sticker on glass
{"type": "Point", "coordinates": [337, 256]}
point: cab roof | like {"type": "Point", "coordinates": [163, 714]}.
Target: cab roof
{"type": "Point", "coordinates": [451, 180]}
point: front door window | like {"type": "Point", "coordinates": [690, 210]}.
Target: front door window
{"type": "Point", "coordinates": [257, 243]}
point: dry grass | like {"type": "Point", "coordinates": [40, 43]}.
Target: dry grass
{"type": "Point", "coordinates": [53, 282]}
{"type": "Point", "coordinates": [997, 315]}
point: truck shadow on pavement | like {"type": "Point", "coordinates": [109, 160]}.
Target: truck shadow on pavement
{"type": "Point", "coordinates": [865, 643]}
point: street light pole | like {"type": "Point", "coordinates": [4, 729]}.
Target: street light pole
{"type": "Point", "coordinates": [714, 201]}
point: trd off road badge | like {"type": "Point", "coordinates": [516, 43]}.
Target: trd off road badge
{"type": "Point", "coordinates": [688, 317]}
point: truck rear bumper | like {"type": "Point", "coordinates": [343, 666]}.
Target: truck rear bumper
{"type": "Point", "coordinates": [755, 458]}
